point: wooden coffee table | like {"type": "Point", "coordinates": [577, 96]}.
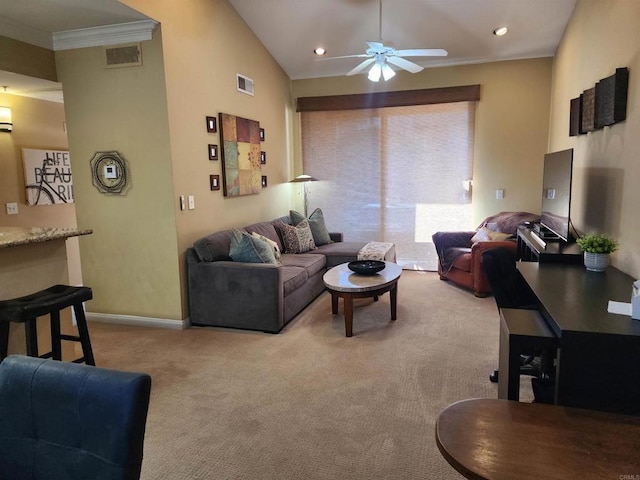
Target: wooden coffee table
{"type": "Point", "coordinates": [342, 282]}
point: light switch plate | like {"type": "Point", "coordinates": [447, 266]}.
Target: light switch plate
{"type": "Point", "coordinates": [12, 208]}
{"type": "Point", "coordinates": [192, 202]}
{"type": "Point", "coordinates": [182, 203]}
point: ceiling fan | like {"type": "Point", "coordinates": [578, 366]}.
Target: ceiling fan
{"type": "Point", "coordinates": [379, 56]}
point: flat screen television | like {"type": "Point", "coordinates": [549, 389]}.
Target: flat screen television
{"type": "Point", "coordinates": [556, 193]}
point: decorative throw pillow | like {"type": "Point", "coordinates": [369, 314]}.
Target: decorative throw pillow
{"type": "Point", "coordinates": [316, 223]}
{"type": "Point", "coordinates": [298, 238]}
{"type": "Point", "coordinates": [274, 245]}
{"type": "Point", "coordinates": [245, 248]}
{"type": "Point", "coordinates": [483, 234]}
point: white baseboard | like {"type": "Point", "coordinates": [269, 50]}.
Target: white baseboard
{"type": "Point", "coordinates": [138, 321]}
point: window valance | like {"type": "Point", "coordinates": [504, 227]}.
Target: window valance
{"type": "Point", "coordinates": [428, 96]}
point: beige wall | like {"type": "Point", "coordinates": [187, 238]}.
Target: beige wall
{"type": "Point", "coordinates": [154, 115]}
{"type": "Point", "coordinates": [511, 123]}
{"type": "Point", "coordinates": [602, 36]}
{"type": "Point", "coordinates": [26, 59]}
{"type": "Point", "coordinates": [130, 261]}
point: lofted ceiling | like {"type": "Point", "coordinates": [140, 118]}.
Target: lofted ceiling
{"type": "Point", "coordinates": [291, 29]}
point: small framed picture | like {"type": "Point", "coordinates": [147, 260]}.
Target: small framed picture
{"type": "Point", "coordinates": [262, 134]}
{"type": "Point", "coordinates": [213, 152]}
{"type": "Point", "coordinates": [264, 181]}
{"type": "Point", "coordinates": [211, 125]}
{"type": "Point", "coordinates": [263, 158]}
{"type": "Point", "coordinates": [214, 182]}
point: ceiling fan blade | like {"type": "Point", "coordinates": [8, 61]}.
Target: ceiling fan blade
{"type": "Point", "coordinates": [406, 64]}
{"type": "Point", "coordinates": [362, 66]}
{"type": "Point", "coordinates": [421, 52]}
{"type": "Point", "coordinates": [376, 45]}
{"type": "Point", "coordinates": [362, 55]}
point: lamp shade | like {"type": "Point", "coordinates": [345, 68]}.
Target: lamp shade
{"type": "Point", "coordinates": [304, 178]}
{"type": "Point", "coordinates": [5, 119]}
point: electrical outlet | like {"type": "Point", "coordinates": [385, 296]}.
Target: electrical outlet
{"type": "Point", "coordinates": [12, 208]}
{"type": "Point", "coordinates": [192, 202]}
{"type": "Point", "coordinates": [499, 194]}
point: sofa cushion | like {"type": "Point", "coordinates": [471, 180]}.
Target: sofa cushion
{"type": "Point", "coordinates": [245, 248]}
{"type": "Point", "coordinates": [296, 239]}
{"type": "Point", "coordinates": [293, 278]}
{"type": "Point", "coordinates": [340, 252]}
{"type": "Point", "coordinates": [311, 262]}
{"type": "Point", "coordinates": [214, 247]}
{"type": "Point", "coordinates": [266, 229]}
{"type": "Point", "coordinates": [316, 223]}
{"type": "Point", "coordinates": [463, 258]}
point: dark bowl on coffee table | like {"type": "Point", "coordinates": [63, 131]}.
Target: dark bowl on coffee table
{"type": "Point", "coordinates": [366, 267]}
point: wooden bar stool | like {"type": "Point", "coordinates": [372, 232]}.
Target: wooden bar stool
{"type": "Point", "coordinates": [47, 302]}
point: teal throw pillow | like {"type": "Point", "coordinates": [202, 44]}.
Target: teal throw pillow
{"type": "Point", "coordinates": [245, 248]}
{"type": "Point", "coordinates": [274, 245]}
{"type": "Point", "coordinates": [316, 224]}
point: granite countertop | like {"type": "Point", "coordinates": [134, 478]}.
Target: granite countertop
{"type": "Point", "coordinates": [13, 236]}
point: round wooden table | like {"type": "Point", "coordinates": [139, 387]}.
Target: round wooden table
{"type": "Point", "coordinates": [343, 283]}
{"type": "Point", "coordinates": [490, 439]}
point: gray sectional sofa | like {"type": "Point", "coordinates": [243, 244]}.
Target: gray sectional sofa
{"type": "Point", "coordinates": [257, 296]}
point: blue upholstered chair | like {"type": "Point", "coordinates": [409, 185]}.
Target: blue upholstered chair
{"type": "Point", "coordinates": [61, 420]}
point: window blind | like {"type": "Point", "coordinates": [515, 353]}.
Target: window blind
{"type": "Point", "coordinates": [394, 174]}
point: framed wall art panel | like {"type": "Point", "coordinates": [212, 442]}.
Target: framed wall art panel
{"type": "Point", "coordinates": [240, 151]}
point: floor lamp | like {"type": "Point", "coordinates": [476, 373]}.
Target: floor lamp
{"type": "Point", "coordinates": [305, 179]}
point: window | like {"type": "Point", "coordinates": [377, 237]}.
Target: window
{"type": "Point", "coordinates": [393, 174]}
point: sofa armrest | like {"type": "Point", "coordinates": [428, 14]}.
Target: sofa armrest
{"type": "Point", "coordinates": [235, 294]}
{"type": "Point", "coordinates": [336, 236]}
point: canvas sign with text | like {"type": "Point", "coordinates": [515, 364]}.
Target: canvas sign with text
{"type": "Point", "coordinates": [47, 175]}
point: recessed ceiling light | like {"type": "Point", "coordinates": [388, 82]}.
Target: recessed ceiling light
{"type": "Point", "coordinates": [319, 51]}
{"type": "Point", "coordinates": [500, 31]}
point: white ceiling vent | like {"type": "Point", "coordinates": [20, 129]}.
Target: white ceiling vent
{"type": "Point", "coordinates": [128, 55]}
{"type": "Point", "coordinates": [245, 84]}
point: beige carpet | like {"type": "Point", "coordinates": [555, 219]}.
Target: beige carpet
{"type": "Point", "coordinates": [310, 403]}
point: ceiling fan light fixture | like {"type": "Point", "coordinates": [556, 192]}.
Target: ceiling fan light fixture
{"type": "Point", "coordinates": [387, 72]}
{"type": "Point", "coordinates": [499, 32]}
{"type": "Point", "coordinates": [375, 73]}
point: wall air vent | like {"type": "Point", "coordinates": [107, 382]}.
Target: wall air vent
{"type": "Point", "coordinates": [128, 55]}
{"type": "Point", "coordinates": [244, 84]}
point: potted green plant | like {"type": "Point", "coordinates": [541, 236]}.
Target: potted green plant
{"type": "Point", "coordinates": [597, 249]}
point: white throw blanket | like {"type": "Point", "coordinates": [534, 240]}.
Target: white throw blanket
{"type": "Point", "coordinates": [374, 251]}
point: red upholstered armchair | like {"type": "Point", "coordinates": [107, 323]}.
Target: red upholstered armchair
{"type": "Point", "coordinates": [460, 253]}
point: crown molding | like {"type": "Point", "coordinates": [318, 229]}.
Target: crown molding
{"type": "Point", "coordinates": [104, 35]}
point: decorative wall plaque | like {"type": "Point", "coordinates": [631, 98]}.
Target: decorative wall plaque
{"type": "Point", "coordinates": [603, 105]}
{"type": "Point", "coordinates": [575, 117]}
{"type": "Point", "coordinates": [611, 98]}
{"type": "Point", "coordinates": [588, 110]}
{"type": "Point", "coordinates": [109, 173]}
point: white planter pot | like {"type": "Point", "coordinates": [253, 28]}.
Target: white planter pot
{"type": "Point", "coordinates": [596, 262]}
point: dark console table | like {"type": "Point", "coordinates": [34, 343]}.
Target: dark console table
{"type": "Point", "coordinates": [530, 250]}
{"type": "Point", "coordinates": [598, 365]}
